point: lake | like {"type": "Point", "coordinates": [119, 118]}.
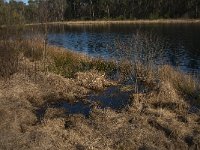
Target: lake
{"type": "Point", "coordinates": [174, 44]}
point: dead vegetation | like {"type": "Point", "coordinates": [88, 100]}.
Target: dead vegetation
{"type": "Point", "coordinates": [167, 108]}
{"type": "Point", "coordinates": [166, 116]}
{"type": "Point", "coordinates": [105, 22]}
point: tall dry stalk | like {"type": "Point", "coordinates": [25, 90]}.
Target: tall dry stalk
{"type": "Point", "coordinates": [142, 52]}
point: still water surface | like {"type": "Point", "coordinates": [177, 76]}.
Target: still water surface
{"type": "Point", "coordinates": [178, 45]}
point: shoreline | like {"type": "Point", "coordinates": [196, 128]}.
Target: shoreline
{"type": "Point", "coordinates": [114, 22]}
{"type": "Point", "coordinates": [106, 22]}
{"type": "Point", "coordinates": [28, 116]}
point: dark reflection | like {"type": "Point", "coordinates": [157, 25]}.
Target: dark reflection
{"type": "Point", "coordinates": [112, 97]}
{"type": "Point", "coordinates": [180, 42]}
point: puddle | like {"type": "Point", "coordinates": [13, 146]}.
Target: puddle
{"type": "Point", "coordinates": [112, 97]}
{"type": "Point", "coordinates": [77, 108]}
{"type": "Point", "coordinates": [71, 108]}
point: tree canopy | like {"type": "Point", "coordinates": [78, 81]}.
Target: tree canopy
{"type": "Point", "coordinates": [58, 10]}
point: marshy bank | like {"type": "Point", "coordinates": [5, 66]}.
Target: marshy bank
{"type": "Point", "coordinates": [173, 44]}
{"type": "Point", "coordinates": [40, 90]}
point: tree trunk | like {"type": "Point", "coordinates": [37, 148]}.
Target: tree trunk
{"type": "Point", "coordinates": [196, 8]}
{"type": "Point", "coordinates": [108, 11]}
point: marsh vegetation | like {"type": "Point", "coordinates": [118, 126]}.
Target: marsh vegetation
{"type": "Point", "coordinates": [40, 96]}
{"type": "Point", "coordinates": [55, 98]}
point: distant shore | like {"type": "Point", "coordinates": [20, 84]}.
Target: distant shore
{"type": "Point", "coordinates": [108, 22]}
{"type": "Point", "coordinates": [102, 22]}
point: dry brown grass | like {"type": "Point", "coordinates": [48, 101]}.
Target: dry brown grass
{"type": "Point", "coordinates": [149, 123]}
{"type": "Point", "coordinates": [185, 84]}
{"type": "Point", "coordinates": [93, 80]}
{"type": "Point", "coordinates": [21, 95]}
{"type": "Point", "coordinates": [8, 58]}
{"type": "Point", "coordinates": [158, 119]}
{"type": "Point", "coordinates": [167, 106]}
{"type": "Point", "coordinates": [107, 22]}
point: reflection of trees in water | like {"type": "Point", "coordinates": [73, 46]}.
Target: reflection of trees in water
{"type": "Point", "coordinates": [173, 44]}
{"type": "Point", "coordinates": [145, 47]}
{"type": "Point", "coordinates": [184, 47]}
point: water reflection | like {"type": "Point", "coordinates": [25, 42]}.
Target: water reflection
{"type": "Point", "coordinates": [180, 43]}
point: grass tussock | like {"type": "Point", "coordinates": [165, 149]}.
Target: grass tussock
{"type": "Point", "coordinates": [161, 117]}
{"type": "Point", "coordinates": [168, 87]}
{"type": "Point", "coordinates": [186, 85]}
{"type": "Point", "coordinates": [170, 106]}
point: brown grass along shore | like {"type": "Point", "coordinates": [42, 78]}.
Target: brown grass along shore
{"type": "Point", "coordinates": [164, 117]}
{"type": "Point", "coordinates": [104, 22]}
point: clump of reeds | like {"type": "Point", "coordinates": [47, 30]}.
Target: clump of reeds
{"type": "Point", "coordinates": [168, 84]}
{"type": "Point", "coordinates": [137, 58]}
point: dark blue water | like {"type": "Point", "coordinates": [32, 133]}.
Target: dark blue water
{"type": "Point", "coordinates": [178, 45]}
{"type": "Point", "coordinates": [112, 97]}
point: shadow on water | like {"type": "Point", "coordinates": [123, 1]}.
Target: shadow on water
{"type": "Point", "coordinates": [71, 108]}
{"type": "Point", "coordinates": [112, 97]}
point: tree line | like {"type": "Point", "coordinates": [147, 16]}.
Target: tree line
{"type": "Point", "coordinates": [59, 10]}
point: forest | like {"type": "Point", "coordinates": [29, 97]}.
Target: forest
{"type": "Point", "coordinates": [60, 10]}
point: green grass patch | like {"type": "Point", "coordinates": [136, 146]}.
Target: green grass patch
{"type": "Point", "coordinates": [68, 65]}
